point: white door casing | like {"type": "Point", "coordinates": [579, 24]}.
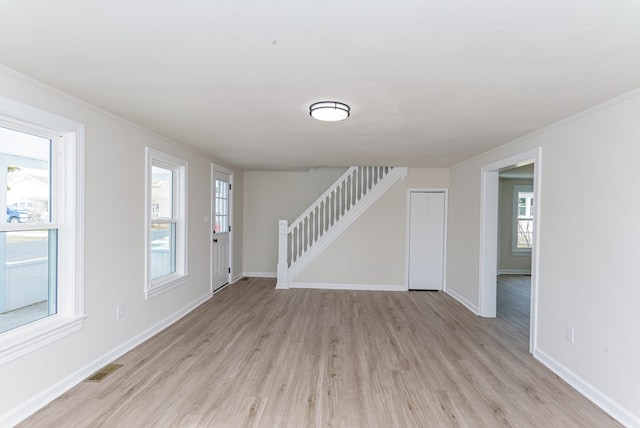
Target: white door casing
{"type": "Point", "coordinates": [426, 240]}
{"type": "Point", "coordinates": [487, 287]}
{"type": "Point", "coordinates": [221, 228]}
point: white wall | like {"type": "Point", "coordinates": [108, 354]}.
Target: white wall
{"type": "Point", "coordinates": [373, 250]}
{"type": "Point", "coordinates": [508, 262]}
{"type": "Point", "coordinates": [270, 196]}
{"type": "Point", "coordinates": [114, 249]}
{"type": "Point", "coordinates": [588, 251]}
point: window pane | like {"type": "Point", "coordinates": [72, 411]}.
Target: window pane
{"type": "Point", "coordinates": [222, 224]}
{"type": "Point", "coordinates": [525, 205]}
{"type": "Point", "coordinates": [221, 207]}
{"type": "Point", "coordinates": [222, 189]}
{"type": "Point", "coordinates": [163, 249]}
{"type": "Point", "coordinates": [28, 277]}
{"type": "Point", "coordinates": [525, 233]}
{"type": "Point", "coordinates": [24, 177]}
{"type": "Point", "coordinates": [161, 193]}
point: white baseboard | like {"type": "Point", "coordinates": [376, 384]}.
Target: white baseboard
{"type": "Point", "coordinates": [237, 278]}
{"type": "Point", "coordinates": [473, 308]}
{"type": "Point", "coordinates": [38, 401]}
{"type": "Point", "coordinates": [600, 399]}
{"type": "Point", "coordinates": [354, 287]}
{"type": "Point", "coordinates": [514, 272]}
{"type": "Point", "coordinates": [260, 274]}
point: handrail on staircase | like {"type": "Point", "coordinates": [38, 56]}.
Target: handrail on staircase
{"type": "Point", "coordinates": [295, 240]}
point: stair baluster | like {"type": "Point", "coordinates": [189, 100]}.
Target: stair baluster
{"type": "Point", "coordinates": [316, 225]}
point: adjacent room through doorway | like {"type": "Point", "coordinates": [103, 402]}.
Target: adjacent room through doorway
{"type": "Point", "coordinates": [515, 245]}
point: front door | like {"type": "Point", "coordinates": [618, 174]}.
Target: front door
{"type": "Point", "coordinates": [426, 240]}
{"type": "Point", "coordinates": [220, 265]}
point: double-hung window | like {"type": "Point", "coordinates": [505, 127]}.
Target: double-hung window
{"type": "Point", "coordinates": [523, 210]}
{"type": "Point", "coordinates": [166, 222]}
{"type": "Point", "coordinates": [41, 228]}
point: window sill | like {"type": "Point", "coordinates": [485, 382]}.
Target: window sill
{"type": "Point", "coordinates": [521, 253]}
{"type": "Point", "coordinates": [30, 337]}
{"type": "Point", "coordinates": [164, 284]}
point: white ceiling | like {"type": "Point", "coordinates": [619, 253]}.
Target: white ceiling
{"type": "Point", "coordinates": [430, 82]}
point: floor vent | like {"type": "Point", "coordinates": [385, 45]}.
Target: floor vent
{"type": "Point", "coordinates": [103, 372]}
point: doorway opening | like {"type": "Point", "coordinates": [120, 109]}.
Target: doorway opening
{"type": "Point", "coordinates": [516, 209]}
{"type": "Point", "coordinates": [489, 228]}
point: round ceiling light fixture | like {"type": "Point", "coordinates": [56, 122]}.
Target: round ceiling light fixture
{"type": "Point", "coordinates": [329, 111]}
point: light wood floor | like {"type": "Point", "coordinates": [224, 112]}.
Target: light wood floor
{"type": "Point", "coordinates": [256, 357]}
{"type": "Point", "coordinates": [513, 306]}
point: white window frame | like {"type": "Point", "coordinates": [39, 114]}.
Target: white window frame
{"type": "Point", "coordinates": [67, 216]}
{"type": "Point", "coordinates": [517, 189]}
{"type": "Point", "coordinates": [157, 286]}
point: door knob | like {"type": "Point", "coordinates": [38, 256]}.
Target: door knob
{"type": "Point", "coordinates": [215, 240]}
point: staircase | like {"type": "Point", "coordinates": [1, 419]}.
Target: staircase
{"type": "Point", "coordinates": [321, 223]}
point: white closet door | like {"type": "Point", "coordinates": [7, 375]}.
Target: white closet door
{"type": "Point", "coordinates": [426, 240]}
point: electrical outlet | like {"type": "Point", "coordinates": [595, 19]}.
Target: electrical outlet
{"type": "Point", "coordinates": [569, 333]}
{"type": "Point", "coordinates": [206, 219]}
{"type": "Point", "coordinates": [119, 311]}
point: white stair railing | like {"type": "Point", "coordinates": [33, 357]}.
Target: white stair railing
{"type": "Point", "coordinates": [296, 240]}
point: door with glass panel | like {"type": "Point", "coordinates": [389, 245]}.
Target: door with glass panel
{"type": "Point", "coordinates": [220, 265]}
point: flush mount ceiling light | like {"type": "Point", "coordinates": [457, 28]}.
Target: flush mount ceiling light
{"type": "Point", "coordinates": [329, 111]}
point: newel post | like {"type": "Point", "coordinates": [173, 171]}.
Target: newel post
{"type": "Point", "coordinates": [283, 268]}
